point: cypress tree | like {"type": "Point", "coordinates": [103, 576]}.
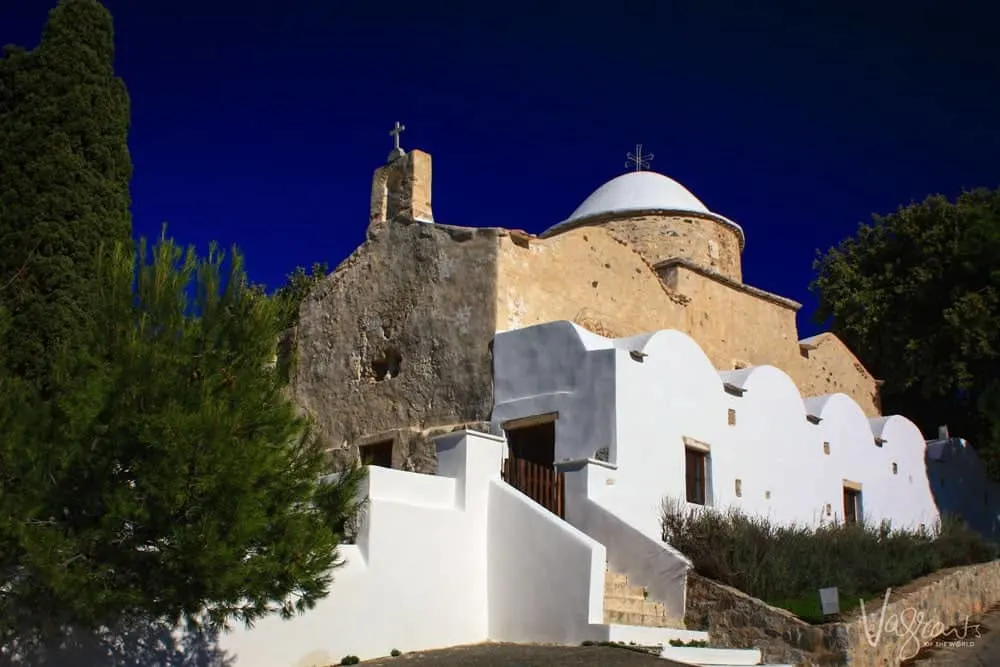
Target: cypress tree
{"type": "Point", "coordinates": [64, 182]}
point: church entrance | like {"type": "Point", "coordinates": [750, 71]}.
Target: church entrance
{"type": "Point", "coordinates": [530, 463]}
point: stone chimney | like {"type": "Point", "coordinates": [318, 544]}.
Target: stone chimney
{"type": "Point", "coordinates": [402, 189]}
{"type": "Point", "coordinates": [943, 432]}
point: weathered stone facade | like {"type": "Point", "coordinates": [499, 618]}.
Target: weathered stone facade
{"type": "Point", "coordinates": [396, 340]}
{"type": "Point", "coordinates": [588, 276]}
{"type": "Point", "coordinates": [941, 603]}
{"type": "Point", "coordinates": [701, 241]}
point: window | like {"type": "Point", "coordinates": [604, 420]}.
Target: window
{"type": "Point", "coordinates": [739, 488]}
{"type": "Point", "coordinates": [696, 467]}
{"type": "Point", "coordinates": [895, 468]}
{"type": "Point", "coordinates": [732, 417]}
{"type": "Point", "coordinates": [377, 454]}
{"type": "Point", "coordinates": [826, 448]}
{"type": "Point", "coordinates": [852, 505]}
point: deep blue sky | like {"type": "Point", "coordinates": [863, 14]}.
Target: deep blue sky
{"type": "Point", "coordinates": [260, 122]}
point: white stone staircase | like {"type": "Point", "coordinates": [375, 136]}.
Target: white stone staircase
{"type": "Point", "coordinates": [633, 618]}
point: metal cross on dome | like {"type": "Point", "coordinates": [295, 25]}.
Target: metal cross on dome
{"type": "Point", "coordinates": [637, 160]}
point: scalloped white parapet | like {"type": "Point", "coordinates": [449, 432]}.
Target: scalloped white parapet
{"type": "Point", "coordinates": [771, 452]}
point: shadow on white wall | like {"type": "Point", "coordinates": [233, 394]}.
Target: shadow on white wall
{"type": "Point", "coordinates": [140, 644]}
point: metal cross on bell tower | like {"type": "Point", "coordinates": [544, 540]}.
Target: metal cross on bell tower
{"type": "Point", "coordinates": [637, 161]}
{"type": "Point", "coordinates": [396, 152]}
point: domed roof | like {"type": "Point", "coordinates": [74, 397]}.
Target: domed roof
{"type": "Point", "coordinates": [638, 191]}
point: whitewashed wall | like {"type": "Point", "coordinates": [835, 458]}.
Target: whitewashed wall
{"type": "Point", "coordinates": [562, 368]}
{"type": "Point", "coordinates": [453, 558]}
{"type": "Point", "coordinates": [546, 578]}
{"type": "Point", "coordinates": [664, 389]}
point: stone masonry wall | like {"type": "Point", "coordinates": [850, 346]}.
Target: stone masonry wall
{"type": "Point", "coordinates": [736, 620]}
{"type": "Point", "coordinates": [738, 328]}
{"type": "Point", "coordinates": [947, 601]}
{"type": "Point", "coordinates": [831, 367]}
{"type": "Point", "coordinates": [588, 276]}
{"type": "Point", "coordinates": [912, 618]}
{"type": "Point", "coordinates": [396, 340]}
{"type": "Point", "coordinates": [585, 276]}
{"type": "Point", "coordinates": [705, 242]}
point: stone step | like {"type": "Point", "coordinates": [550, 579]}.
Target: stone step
{"type": "Point", "coordinates": [614, 578]}
{"type": "Point", "coordinates": [624, 591]}
{"type": "Point", "coordinates": [634, 606]}
{"type": "Point", "coordinates": [712, 657]}
{"type": "Point", "coordinates": [636, 618]}
{"type": "Point", "coordinates": [628, 605]}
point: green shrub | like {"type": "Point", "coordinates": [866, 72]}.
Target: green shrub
{"type": "Point", "coordinates": [350, 660]}
{"type": "Point", "coordinates": [395, 653]}
{"type": "Point", "coordinates": [696, 643]}
{"type": "Point", "coordinates": [786, 565]}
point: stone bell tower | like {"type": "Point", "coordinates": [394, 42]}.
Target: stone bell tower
{"type": "Point", "coordinates": [401, 188]}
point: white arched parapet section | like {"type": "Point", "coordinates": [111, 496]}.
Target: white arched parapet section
{"type": "Point", "coordinates": [545, 353]}
{"type": "Point", "coordinates": [667, 389]}
{"type": "Point", "coordinates": [668, 393]}
{"type": "Point", "coordinates": [685, 371]}
{"type": "Point", "coordinates": [904, 495]}
{"type": "Point", "coordinates": [561, 370]}
{"type": "Point", "coordinates": [848, 456]}
{"type": "Point", "coordinates": [766, 446]}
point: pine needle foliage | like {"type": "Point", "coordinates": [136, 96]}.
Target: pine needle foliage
{"type": "Point", "coordinates": [172, 477]}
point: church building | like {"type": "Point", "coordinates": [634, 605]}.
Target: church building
{"type": "Point", "coordinates": [528, 404]}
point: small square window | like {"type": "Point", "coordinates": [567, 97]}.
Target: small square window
{"type": "Point", "coordinates": [732, 417]}
{"type": "Point", "coordinates": [739, 488]}
{"type": "Point", "coordinates": [767, 495]}
{"type": "Point", "coordinates": [829, 509]}
{"type": "Point", "coordinates": [826, 448]}
{"type": "Point", "coordinates": [895, 468]}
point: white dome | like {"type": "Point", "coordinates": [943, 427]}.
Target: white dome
{"type": "Point", "coordinates": [638, 191]}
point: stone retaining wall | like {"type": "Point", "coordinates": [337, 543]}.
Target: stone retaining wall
{"type": "Point", "coordinates": [917, 617]}
{"type": "Point", "coordinates": [734, 619]}
{"type": "Point", "coordinates": [887, 633]}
